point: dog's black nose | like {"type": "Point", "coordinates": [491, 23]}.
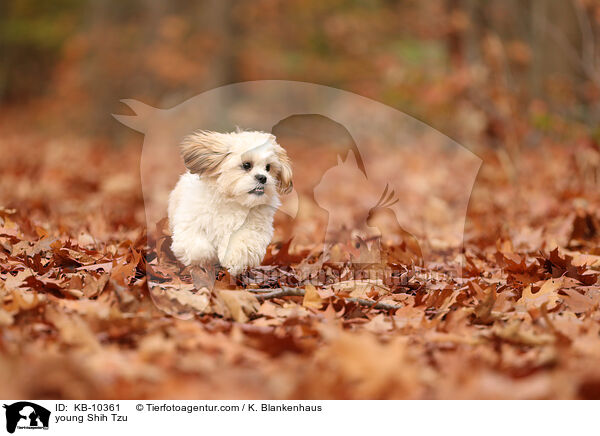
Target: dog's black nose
{"type": "Point", "coordinates": [261, 178]}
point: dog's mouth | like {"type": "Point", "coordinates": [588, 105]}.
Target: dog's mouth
{"type": "Point", "coordinates": [259, 190]}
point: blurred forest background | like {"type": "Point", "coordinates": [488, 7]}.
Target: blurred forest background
{"type": "Point", "coordinates": [516, 81]}
{"type": "Point", "coordinates": [496, 72]}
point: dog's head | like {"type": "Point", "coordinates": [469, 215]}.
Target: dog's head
{"type": "Point", "coordinates": [247, 166]}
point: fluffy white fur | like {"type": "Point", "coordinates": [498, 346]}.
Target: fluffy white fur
{"type": "Point", "coordinates": [220, 210]}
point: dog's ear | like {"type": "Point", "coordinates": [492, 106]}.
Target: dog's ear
{"type": "Point", "coordinates": [284, 175]}
{"type": "Point", "coordinates": [203, 152]}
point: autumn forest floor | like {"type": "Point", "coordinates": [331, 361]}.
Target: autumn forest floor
{"type": "Point", "coordinates": [77, 320]}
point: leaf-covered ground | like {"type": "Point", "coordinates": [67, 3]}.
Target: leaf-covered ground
{"type": "Point", "coordinates": [78, 321]}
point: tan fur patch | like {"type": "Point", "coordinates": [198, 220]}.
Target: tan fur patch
{"type": "Point", "coordinates": [203, 152]}
{"type": "Point", "coordinates": [285, 171]}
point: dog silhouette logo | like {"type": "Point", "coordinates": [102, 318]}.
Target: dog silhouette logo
{"type": "Point", "coordinates": [371, 184]}
{"type": "Point", "coordinates": [26, 415]}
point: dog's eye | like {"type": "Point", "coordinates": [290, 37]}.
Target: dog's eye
{"type": "Point", "coordinates": [247, 166]}
{"type": "Point", "coordinates": [268, 167]}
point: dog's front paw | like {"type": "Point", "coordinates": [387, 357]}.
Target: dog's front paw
{"type": "Point", "coordinates": [243, 250]}
{"type": "Point", "coordinates": [194, 250]}
{"type": "Point", "coordinates": [238, 258]}
{"type": "Point", "coordinates": [235, 261]}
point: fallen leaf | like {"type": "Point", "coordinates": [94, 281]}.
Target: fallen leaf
{"type": "Point", "coordinates": [312, 299]}
{"type": "Point", "coordinates": [241, 304]}
{"type": "Point", "coordinates": [548, 293]}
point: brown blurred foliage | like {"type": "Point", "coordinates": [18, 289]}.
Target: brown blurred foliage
{"type": "Point", "coordinates": [496, 72]}
{"type": "Point", "coordinates": [77, 320]}
{"type": "Point", "coordinates": [516, 81]}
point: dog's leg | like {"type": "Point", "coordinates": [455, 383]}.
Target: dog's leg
{"type": "Point", "coordinates": [192, 247]}
{"type": "Point", "coordinates": [248, 244]}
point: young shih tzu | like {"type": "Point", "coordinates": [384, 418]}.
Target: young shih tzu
{"type": "Point", "coordinates": [221, 210]}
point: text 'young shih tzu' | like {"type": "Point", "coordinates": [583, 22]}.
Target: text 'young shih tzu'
{"type": "Point", "coordinates": [221, 210]}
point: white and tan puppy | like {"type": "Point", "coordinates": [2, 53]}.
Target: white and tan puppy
{"type": "Point", "coordinates": [221, 210]}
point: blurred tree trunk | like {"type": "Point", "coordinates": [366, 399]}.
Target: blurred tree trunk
{"type": "Point", "coordinates": [217, 17]}
{"type": "Point", "coordinates": [4, 58]}
{"type": "Point", "coordinates": [556, 39]}
{"type": "Point", "coordinates": [538, 39]}
{"type": "Point", "coordinates": [454, 38]}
